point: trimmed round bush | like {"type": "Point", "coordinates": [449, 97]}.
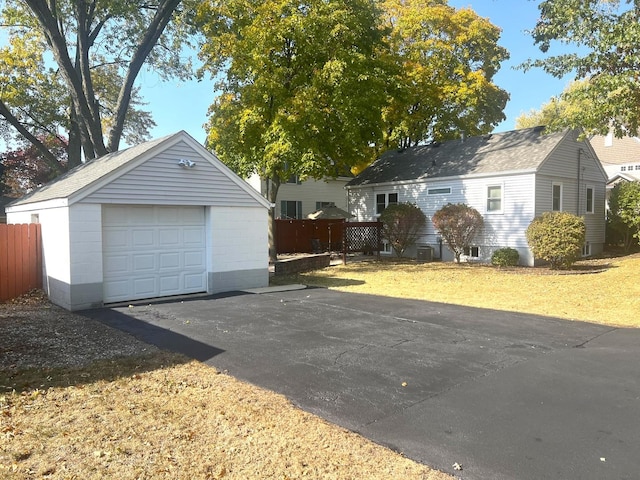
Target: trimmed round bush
{"type": "Point", "coordinates": [505, 257]}
{"type": "Point", "coordinates": [557, 238]}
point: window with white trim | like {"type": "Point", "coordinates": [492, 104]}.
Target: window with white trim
{"type": "Point", "coordinates": [290, 209]}
{"type": "Point", "coordinates": [383, 200]}
{"type": "Point", "coordinates": [589, 199]}
{"type": "Point", "coordinates": [439, 191]}
{"type": "Point", "coordinates": [494, 199]}
{"type": "Point", "coordinates": [556, 197]}
{"type": "Point", "coordinates": [586, 249]}
{"type": "Point", "coordinates": [623, 168]}
{"type": "Point", "coordinates": [472, 252]}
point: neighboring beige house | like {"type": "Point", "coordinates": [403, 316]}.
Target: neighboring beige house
{"type": "Point", "coordinates": [297, 199]}
{"type": "Point", "coordinates": [510, 178]}
{"type": "Point", "coordinates": [620, 158]}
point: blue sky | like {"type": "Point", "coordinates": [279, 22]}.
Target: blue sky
{"type": "Point", "coordinates": [183, 106]}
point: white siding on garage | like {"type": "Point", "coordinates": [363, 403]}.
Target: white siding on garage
{"type": "Point", "coordinates": [161, 181]}
{"type": "Point", "coordinates": [153, 251]}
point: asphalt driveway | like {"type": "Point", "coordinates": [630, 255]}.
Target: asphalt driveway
{"type": "Point", "coordinates": [507, 395]}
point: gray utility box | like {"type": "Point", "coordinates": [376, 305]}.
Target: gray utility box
{"type": "Point", "coordinates": [425, 254]}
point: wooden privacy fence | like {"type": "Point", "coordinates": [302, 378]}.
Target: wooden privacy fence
{"type": "Point", "coordinates": [309, 236]}
{"type": "Point", "coordinates": [324, 235]}
{"type": "Point", "coordinates": [20, 259]}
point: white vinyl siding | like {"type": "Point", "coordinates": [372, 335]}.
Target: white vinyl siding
{"type": "Point", "coordinates": [161, 181]}
{"type": "Point", "coordinates": [499, 230]}
{"type": "Point", "coordinates": [310, 192]}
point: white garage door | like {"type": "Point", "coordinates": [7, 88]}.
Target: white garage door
{"type": "Point", "coordinates": [151, 251]}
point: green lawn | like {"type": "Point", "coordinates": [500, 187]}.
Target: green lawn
{"type": "Point", "coordinates": [605, 291]}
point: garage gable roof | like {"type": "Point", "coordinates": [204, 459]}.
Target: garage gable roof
{"type": "Point", "coordinates": [90, 176]}
{"type": "Point", "coordinates": [515, 151]}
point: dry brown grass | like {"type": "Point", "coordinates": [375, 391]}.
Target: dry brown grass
{"type": "Point", "coordinates": [605, 291]}
{"type": "Point", "coordinates": [158, 415]}
{"type": "Point", "coordinates": [162, 416]}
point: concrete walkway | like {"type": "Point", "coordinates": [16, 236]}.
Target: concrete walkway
{"type": "Point", "coordinates": [508, 396]}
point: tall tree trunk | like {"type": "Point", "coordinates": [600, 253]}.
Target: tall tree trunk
{"type": "Point", "coordinates": [163, 16]}
{"type": "Point", "coordinates": [273, 184]}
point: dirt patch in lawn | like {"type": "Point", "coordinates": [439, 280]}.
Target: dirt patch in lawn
{"type": "Point", "coordinates": [82, 400]}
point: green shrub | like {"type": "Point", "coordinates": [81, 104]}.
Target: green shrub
{"type": "Point", "coordinates": [557, 237]}
{"type": "Point", "coordinates": [505, 257]}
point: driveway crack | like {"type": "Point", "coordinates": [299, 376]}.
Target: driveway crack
{"type": "Point", "coordinates": [589, 340]}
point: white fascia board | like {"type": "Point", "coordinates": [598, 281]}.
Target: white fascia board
{"type": "Point", "coordinates": [45, 205]}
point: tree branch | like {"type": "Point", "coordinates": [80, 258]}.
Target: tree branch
{"type": "Point", "coordinates": [51, 160]}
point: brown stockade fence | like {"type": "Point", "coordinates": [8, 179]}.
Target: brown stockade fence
{"type": "Point", "coordinates": [20, 259]}
{"type": "Point", "coordinates": [309, 236]}
{"type": "Point", "coordinates": [325, 235]}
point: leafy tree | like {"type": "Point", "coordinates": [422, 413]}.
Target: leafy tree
{"type": "Point", "coordinates": [25, 169]}
{"type": "Point", "coordinates": [98, 47]}
{"type": "Point", "coordinates": [446, 60]}
{"type": "Point", "coordinates": [401, 225]}
{"type": "Point", "coordinates": [607, 37]}
{"type": "Point", "coordinates": [624, 211]}
{"type": "Point", "coordinates": [565, 110]}
{"type": "Point", "coordinates": [301, 97]}
{"type": "Point", "coordinates": [557, 237]}
{"type": "Point", "coordinates": [458, 224]}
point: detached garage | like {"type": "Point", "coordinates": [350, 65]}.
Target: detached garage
{"type": "Point", "coordinates": [159, 219]}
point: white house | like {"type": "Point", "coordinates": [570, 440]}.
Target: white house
{"type": "Point", "coordinates": [162, 218]}
{"type": "Point", "coordinates": [298, 198]}
{"type": "Point", "coordinates": [510, 178]}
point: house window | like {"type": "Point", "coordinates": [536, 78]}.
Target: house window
{"type": "Point", "coordinates": [556, 197]}
{"type": "Point", "coordinates": [290, 209]}
{"type": "Point", "coordinates": [637, 167]}
{"type": "Point", "coordinates": [589, 206]}
{"type": "Point", "coordinates": [386, 247]}
{"type": "Point", "coordinates": [586, 249]}
{"type": "Point", "coordinates": [320, 205]}
{"type": "Point", "coordinates": [294, 179]}
{"type": "Point", "coordinates": [439, 191]}
{"type": "Point", "coordinates": [494, 198]}
{"type": "Point", "coordinates": [383, 200]}
{"type": "Point", "coordinates": [623, 168]}
{"type": "Point", "coordinates": [470, 252]}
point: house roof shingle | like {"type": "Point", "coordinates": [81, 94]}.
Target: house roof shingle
{"type": "Point", "coordinates": [616, 151]}
{"type": "Point", "coordinates": [518, 150]}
